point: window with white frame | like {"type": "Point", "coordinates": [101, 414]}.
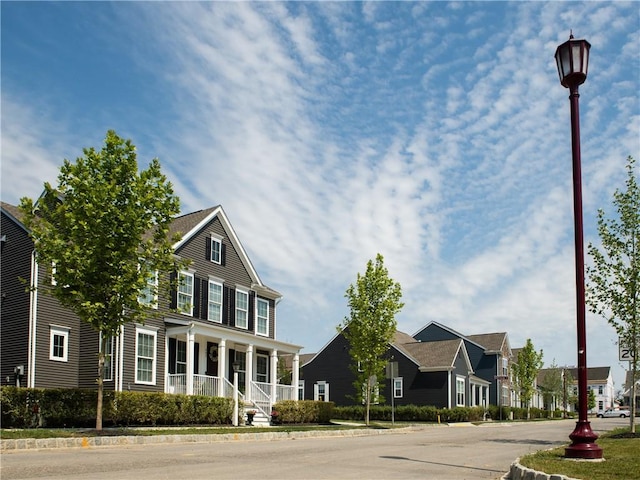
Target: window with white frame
{"type": "Point", "coordinates": [262, 368]}
{"type": "Point", "coordinates": [107, 373]}
{"type": "Point", "coordinates": [146, 356]}
{"type": "Point", "coordinates": [321, 391]}
{"type": "Point", "coordinates": [600, 389]}
{"type": "Point", "coordinates": [460, 389]}
{"type": "Point", "coordinates": [149, 294]}
{"type": "Point", "coordinates": [214, 310]}
{"type": "Point", "coordinates": [397, 387]}
{"type": "Point", "coordinates": [262, 317]}
{"type": "Point", "coordinates": [216, 249]}
{"type": "Point", "coordinates": [58, 343]}
{"type": "Point", "coordinates": [185, 293]}
{"type": "Point", "coordinates": [300, 389]}
{"type": "Point", "coordinates": [181, 357]}
{"type": "Point", "coordinates": [242, 308]}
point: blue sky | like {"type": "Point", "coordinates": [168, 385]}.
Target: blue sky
{"type": "Point", "coordinates": [434, 133]}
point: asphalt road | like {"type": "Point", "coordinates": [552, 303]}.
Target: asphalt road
{"type": "Point", "coordinates": [438, 452]}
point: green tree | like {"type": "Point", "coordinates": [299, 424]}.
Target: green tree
{"type": "Point", "coordinates": [102, 232]}
{"type": "Point", "coordinates": [591, 400]}
{"type": "Point", "coordinates": [613, 289]}
{"type": "Point", "coordinates": [374, 302]}
{"type": "Point", "coordinates": [551, 386]}
{"type": "Point", "coordinates": [525, 370]}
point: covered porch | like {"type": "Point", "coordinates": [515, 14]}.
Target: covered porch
{"type": "Point", "coordinates": [200, 360]}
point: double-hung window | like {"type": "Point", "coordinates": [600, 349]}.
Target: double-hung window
{"type": "Point", "coordinates": [185, 293]}
{"type": "Point", "coordinates": [242, 308]}
{"type": "Point", "coordinates": [107, 372]}
{"type": "Point", "coordinates": [216, 249]}
{"type": "Point", "coordinates": [149, 294]}
{"type": "Point", "coordinates": [181, 357]}
{"type": "Point", "coordinates": [397, 387]}
{"type": "Point", "coordinates": [146, 356]}
{"type": "Point", "coordinates": [262, 368]}
{"type": "Point", "coordinates": [58, 343]}
{"type": "Point", "coordinates": [262, 317]}
{"type": "Point", "coordinates": [460, 388]}
{"type": "Point", "coordinates": [214, 310]}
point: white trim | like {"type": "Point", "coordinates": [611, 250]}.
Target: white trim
{"type": "Point", "coordinates": [33, 320]}
{"type": "Point", "coordinates": [236, 309]}
{"type": "Point", "coordinates": [185, 311]}
{"type": "Point", "coordinates": [459, 379]}
{"type": "Point", "coordinates": [257, 317]}
{"type": "Point", "coordinates": [219, 284]}
{"type": "Point", "coordinates": [63, 332]}
{"type": "Point", "coordinates": [400, 381]}
{"type": "Point", "coordinates": [154, 358]}
{"type": "Point", "coordinates": [217, 239]}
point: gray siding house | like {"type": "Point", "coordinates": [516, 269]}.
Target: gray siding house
{"type": "Point", "coordinates": [221, 314]}
{"type": "Point", "coordinates": [430, 373]}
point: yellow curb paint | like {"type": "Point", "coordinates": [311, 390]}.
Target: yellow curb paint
{"type": "Point", "coordinates": [85, 442]}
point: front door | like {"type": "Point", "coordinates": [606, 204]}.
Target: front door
{"type": "Point", "coordinates": [212, 359]}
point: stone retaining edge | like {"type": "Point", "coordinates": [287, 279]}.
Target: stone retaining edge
{"type": "Point", "coordinates": [519, 472]}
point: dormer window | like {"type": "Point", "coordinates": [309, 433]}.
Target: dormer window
{"type": "Point", "coordinates": [216, 249]}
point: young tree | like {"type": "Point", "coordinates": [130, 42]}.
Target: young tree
{"type": "Point", "coordinates": [525, 371]}
{"type": "Point", "coordinates": [103, 232]}
{"type": "Point", "coordinates": [552, 385]}
{"type": "Point", "coordinates": [613, 289]}
{"type": "Point", "coordinates": [591, 399]}
{"type": "Point", "coordinates": [374, 301]}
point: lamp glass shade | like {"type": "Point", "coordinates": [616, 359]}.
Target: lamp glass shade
{"type": "Point", "coordinates": [572, 60]}
{"type": "Point", "coordinates": [236, 366]}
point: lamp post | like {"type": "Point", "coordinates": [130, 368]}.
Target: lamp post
{"type": "Point", "coordinates": [236, 367]}
{"type": "Point", "coordinates": [572, 59]}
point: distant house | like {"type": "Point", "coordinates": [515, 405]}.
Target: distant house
{"type": "Point", "coordinates": [222, 314]}
{"type": "Point", "coordinates": [489, 355]}
{"type": "Point", "coordinates": [435, 373]}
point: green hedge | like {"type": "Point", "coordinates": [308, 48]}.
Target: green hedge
{"type": "Point", "coordinates": [36, 407]}
{"type": "Point", "coordinates": [304, 411]}
{"type": "Point", "coordinates": [416, 413]}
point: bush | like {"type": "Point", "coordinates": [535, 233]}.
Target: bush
{"type": "Point", "coordinates": [304, 411]}
{"type": "Point", "coordinates": [36, 407]}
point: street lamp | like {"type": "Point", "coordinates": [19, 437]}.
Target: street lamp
{"type": "Point", "coordinates": [236, 367]}
{"type": "Point", "coordinates": [572, 59]}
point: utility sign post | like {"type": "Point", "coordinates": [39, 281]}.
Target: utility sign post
{"type": "Point", "coordinates": [625, 352]}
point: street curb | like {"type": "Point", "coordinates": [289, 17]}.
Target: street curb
{"type": "Point", "coordinates": [519, 472]}
{"type": "Point", "coordinates": [8, 445]}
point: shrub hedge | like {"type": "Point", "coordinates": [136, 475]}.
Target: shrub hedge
{"type": "Point", "coordinates": [37, 407]}
{"type": "Point", "coordinates": [304, 411]}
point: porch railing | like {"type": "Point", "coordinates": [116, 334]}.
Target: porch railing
{"type": "Point", "coordinates": [205, 385]}
{"type": "Point", "coordinates": [177, 383]}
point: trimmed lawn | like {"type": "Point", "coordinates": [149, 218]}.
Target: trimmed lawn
{"type": "Point", "coordinates": [621, 452]}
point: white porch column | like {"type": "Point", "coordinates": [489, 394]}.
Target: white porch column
{"type": "Point", "coordinates": [190, 342]}
{"type": "Point", "coordinates": [295, 374]}
{"type": "Point", "coordinates": [248, 374]}
{"type": "Point", "coordinates": [222, 366]}
{"type": "Point", "coordinates": [273, 374]}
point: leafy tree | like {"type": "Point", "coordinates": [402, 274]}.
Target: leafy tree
{"type": "Point", "coordinates": [525, 371]}
{"type": "Point", "coordinates": [103, 232]}
{"type": "Point", "coordinates": [591, 400]}
{"type": "Point", "coordinates": [613, 289]}
{"type": "Point", "coordinates": [374, 301]}
{"type": "Point", "coordinates": [552, 385]}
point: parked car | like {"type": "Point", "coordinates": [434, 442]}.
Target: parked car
{"type": "Point", "coordinates": [613, 412]}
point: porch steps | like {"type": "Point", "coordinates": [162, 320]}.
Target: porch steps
{"type": "Point", "coordinates": [259, 419]}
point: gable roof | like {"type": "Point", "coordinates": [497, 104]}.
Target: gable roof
{"type": "Point", "coordinates": [437, 356]}
{"type": "Point", "coordinates": [14, 213]}
{"type": "Point", "coordinates": [191, 224]}
{"type": "Point", "coordinates": [492, 342]}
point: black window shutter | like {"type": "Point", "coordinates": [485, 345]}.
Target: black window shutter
{"type": "Point", "coordinates": [225, 304]}
{"type": "Point", "coordinates": [173, 282]}
{"type": "Point", "coordinates": [204, 299]}
{"type": "Point", "coordinates": [172, 355]}
{"type": "Point", "coordinates": [223, 254]}
{"type": "Point", "coordinates": [196, 358]}
{"type": "Point", "coordinates": [196, 297]}
{"type": "Point", "coordinates": [252, 308]}
{"type": "Point", "coordinates": [208, 248]}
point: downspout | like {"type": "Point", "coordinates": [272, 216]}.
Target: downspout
{"type": "Point", "coordinates": [449, 388]}
{"type": "Point", "coordinates": [121, 358]}
{"type": "Point", "coordinates": [33, 316]}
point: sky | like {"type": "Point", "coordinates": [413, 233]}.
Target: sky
{"type": "Point", "coordinates": [436, 134]}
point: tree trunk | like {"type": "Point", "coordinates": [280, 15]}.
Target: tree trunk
{"type": "Point", "coordinates": [100, 380]}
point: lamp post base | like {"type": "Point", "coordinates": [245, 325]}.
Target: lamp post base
{"type": "Point", "coordinates": [583, 444]}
